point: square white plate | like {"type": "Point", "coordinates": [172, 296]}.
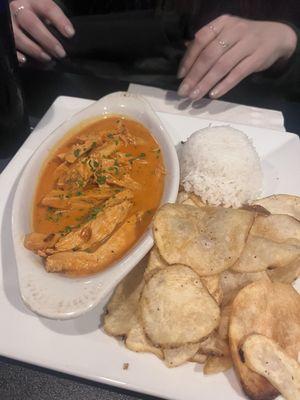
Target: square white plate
{"type": "Point", "coordinates": [79, 347]}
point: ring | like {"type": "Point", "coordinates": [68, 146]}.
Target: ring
{"type": "Point", "coordinates": [223, 44]}
{"type": "Point", "coordinates": [18, 10]}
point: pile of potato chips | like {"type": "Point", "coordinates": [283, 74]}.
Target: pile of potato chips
{"type": "Point", "coordinates": [216, 290]}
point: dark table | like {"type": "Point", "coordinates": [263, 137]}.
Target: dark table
{"type": "Point", "coordinates": [19, 381]}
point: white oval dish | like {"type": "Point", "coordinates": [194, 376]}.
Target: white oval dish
{"type": "Point", "coordinates": [57, 296]}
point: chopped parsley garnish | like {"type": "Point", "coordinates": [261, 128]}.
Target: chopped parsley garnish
{"type": "Point", "coordinates": [142, 155]}
{"type": "Point", "coordinates": [101, 179]}
{"type": "Point", "coordinates": [76, 153]}
{"type": "Point", "coordinates": [79, 193]}
{"type": "Point", "coordinates": [67, 229]}
{"type": "Point", "coordinates": [110, 135]}
{"type": "Point", "coordinates": [128, 155]}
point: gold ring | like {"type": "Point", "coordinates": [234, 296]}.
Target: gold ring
{"type": "Point", "coordinates": [18, 10]}
{"type": "Point", "coordinates": [223, 44]}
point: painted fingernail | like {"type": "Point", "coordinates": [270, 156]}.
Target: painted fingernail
{"type": "Point", "coordinates": [195, 94]}
{"type": "Point", "coordinates": [213, 93]}
{"type": "Point", "coordinates": [22, 59]}
{"type": "Point", "coordinates": [45, 56]}
{"type": "Point", "coordinates": [60, 52]}
{"type": "Point", "coordinates": [70, 31]}
{"type": "Point", "coordinates": [181, 73]}
{"type": "Point", "coordinates": [183, 90]}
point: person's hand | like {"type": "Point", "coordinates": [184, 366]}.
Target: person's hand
{"type": "Point", "coordinates": [29, 20]}
{"type": "Point", "coordinates": [228, 50]}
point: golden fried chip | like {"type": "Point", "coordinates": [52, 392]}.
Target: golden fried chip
{"type": "Point", "coordinates": [155, 264]}
{"type": "Point", "coordinates": [212, 284]}
{"type": "Point", "coordinates": [188, 202]}
{"type": "Point", "coordinates": [231, 282]}
{"type": "Point", "coordinates": [214, 365]}
{"type": "Point", "coordinates": [208, 239]}
{"type": "Point", "coordinates": [176, 308]}
{"type": "Point", "coordinates": [182, 196]}
{"type": "Point", "coordinates": [136, 340]}
{"type": "Point", "coordinates": [213, 345]}
{"type": "Point", "coordinates": [197, 200]}
{"type": "Point", "coordinates": [260, 254]}
{"type": "Point", "coordinates": [121, 308]}
{"type": "Point", "coordinates": [264, 356]}
{"type": "Point", "coordinates": [180, 355]}
{"type": "Point", "coordinates": [265, 308]}
{"type": "Point", "coordinates": [199, 358]}
{"type": "Point", "coordinates": [281, 204]}
{"type": "Point", "coordinates": [287, 274]}
{"type": "Point", "coordinates": [224, 322]}
{"type": "Point", "coordinates": [274, 241]}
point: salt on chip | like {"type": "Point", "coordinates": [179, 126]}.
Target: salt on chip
{"type": "Point", "coordinates": [155, 264]}
{"type": "Point", "coordinates": [176, 308]}
{"type": "Point", "coordinates": [215, 365]}
{"type": "Point", "coordinates": [123, 305]}
{"type": "Point", "coordinates": [231, 282]}
{"type": "Point", "coordinates": [136, 340]}
{"type": "Point", "coordinates": [207, 239]}
{"type": "Point", "coordinates": [270, 309]}
{"type": "Point", "coordinates": [180, 355]}
{"type": "Point", "coordinates": [287, 274]}
{"type": "Point", "coordinates": [265, 357]}
{"type": "Point", "coordinates": [281, 204]}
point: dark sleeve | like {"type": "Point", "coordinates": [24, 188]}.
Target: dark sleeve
{"type": "Point", "coordinates": [287, 79]}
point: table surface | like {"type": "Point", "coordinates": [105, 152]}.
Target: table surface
{"type": "Point", "coordinates": [20, 381]}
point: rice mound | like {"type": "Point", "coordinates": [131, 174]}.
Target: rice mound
{"type": "Point", "coordinates": [221, 165]}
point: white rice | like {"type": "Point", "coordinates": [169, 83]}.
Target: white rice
{"type": "Point", "coordinates": [221, 165]}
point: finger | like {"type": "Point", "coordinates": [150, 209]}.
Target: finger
{"type": "Point", "coordinates": [221, 68]}
{"type": "Point", "coordinates": [27, 46]}
{"type": "Point", "coordinates": [207, 58]}
{"type": "Point", "coordinates": [52, 12]}
{"type": "Point", "coordinates": [241, 71]}
{"type": "Point", "coordinates": [29, 22]}
{"type": "Point", "coordinates": [21, 58]}
{"type": "Point", "coordinates": [202, 38]}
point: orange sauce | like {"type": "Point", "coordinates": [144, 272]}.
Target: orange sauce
{"type": "Point", "coordinates": [145, 167]}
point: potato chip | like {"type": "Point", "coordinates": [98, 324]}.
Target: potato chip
{"type": "Point", "coordinates": [213, 345]}
{"type": "Point", "coordinates": [197, 200]}
{"type": "Point", "coordinates": [182, 196]}
{"type": "Point", "coordinates": [224, 322]}
{"type": "Point", "coordinates": [199, 358]}
{"type": "Point", "coordinates": [214, 365]}
{"type": "Point", "coordinates": [287, 274]}
{"type": "Point", "coordinates": [270, 309]}
{"type": "Point", "coordinates": [180, 355]}
{"type": "Point", "coordinates": [281, 204]}
{"type": "Point", "coordinates": [212, 284]}
{"type": "Point", "coordinates": [155, 264]}
{"type": "Point", "coordinates": [264, 356]}
{"type": "Point", "coordinates": [122, 307]}
{"type": "Point", "coordinates": [188, 202]}
{"type": "Point", "coordinates": [176, 308]}
{"type": "Point", "coordinates": [208, 239]}
{"type": "Point", "coordinates": [231, 282]}
{"type": "Point", "coordinates": [260, 254]}
{"type": "Point", "coordinates": [136, 340]}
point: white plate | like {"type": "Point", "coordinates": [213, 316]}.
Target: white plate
{"type": "Point", "coordinates": [78, 346]}
{"type": "Point", "coordinates": [55, 295]}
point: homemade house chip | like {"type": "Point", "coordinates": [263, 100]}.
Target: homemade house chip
{"type": "Point", "coordinates": [270, 309]}
{"type": "Point", "coordinates": [155, 264]}
{"type": "Point", "coordinates": [207, 239]}
{"type": "Point", "coordinates": [281, 204]}
{"type": "Point", "coordinates": [122, 307]}
{"type": "Point", "coordinates": [215, 364]}
{"type": "Point", "coordinates": [265, 357]}
{"type": "Point", "coordinates": [176, 308]}
{"type": "Point", "coordinates": [180, 355]}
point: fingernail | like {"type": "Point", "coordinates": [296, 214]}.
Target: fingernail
{"type": "Point", "coordinates": [183, 90]}
{"type": "Point", "coordinates": [45, 56]}
{"type": "Point", "coordinates": [60, 52]}
{"type": "Point", "coordinates": [181, 73]}
{"type": "Point", "coordinates": [195, 94]}
{"type": "Point", "coordinates": [70, 31]}
{"type": "Point", "coordinates": [213, 93]}
{"type": "Point", "coordinates": [22, 59]}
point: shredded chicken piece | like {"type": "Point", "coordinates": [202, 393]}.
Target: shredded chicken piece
{"type": "Point", "coordinates": [40, 241]}
{"type": "Point", "coordinates": [84, 262]}
{"type": "Point", "coordinates": [126, 181]}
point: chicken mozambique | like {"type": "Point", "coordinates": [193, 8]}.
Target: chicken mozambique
{"type": "Point", "coordinates": [96, 196]}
